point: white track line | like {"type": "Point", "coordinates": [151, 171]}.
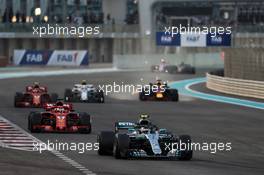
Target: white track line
{"type": "Point", "coordinates": [20, 144]}
{"type": "Point", "coordinates": [19, 135]}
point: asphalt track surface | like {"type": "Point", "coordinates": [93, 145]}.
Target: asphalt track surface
{"type": "Point", "coordinates": [205, 121]}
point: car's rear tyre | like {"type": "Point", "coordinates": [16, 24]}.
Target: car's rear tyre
{"type": "Point", "coordinates": [85, 120]}
{"type": "Point", "coordinates": [54, 97]}
{"type": "Point", "coordinates": [142, 96]}
{"type": "Point", "coordinates": [171, 69]}
{"type": "Point", "coordinates": [174, 95]}
{"type": "Point", "coordinates": [101, 98]}
{"type": "Point", "coordinates": [18, 98]}
{"type": "Point", "coordinates": [106, 142]}
{"type": "Point", "coordinates": [121, 146]}
{"type": "Point", "coordinates": [153, 68]}
{"type": "Point", "coordinates": [193, 70]}
{"type": "Point", "coordinates": [174, 71]}
{"type": "Point", "coordinates": [44, 99]}
{"type": "Point", "coordinates": [185, 154]}
{"type": "Point", "coordinates": [34, 119]}
{"type": "Point", "coordinates": [68, 95]}
{"type": "Point", "coordinates": [168, 70]}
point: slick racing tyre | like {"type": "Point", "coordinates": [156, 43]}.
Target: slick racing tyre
{"type": "Point", "coordinates": [45, 98]}
{"type": "Point", "coordinates": [193, 70]}
{"type": "Point", "coordinates": [18, 98]}
{"type": "Point", "coordinates": [101, 98]}
{"type": "Point", "coordinates": [185, 154]}
{"type": "Point", "coordinates": [153, 68]}
{"type": "Point", "coordinates": [142, 96]}
{"type": "Point", "coordinates": [121, 146]}
{"type": "Point", "coordinates": [68, 95]}
{"type": "Point", "coordinates": [34, 119]}
{"type": "Point", "coordinates": [54, 97]}
{"type": "Point", "coordinates": [85, 120]}
{"type": "Point", "coordinates": [106, 142]}
{"type": "Point", "coordinates": [171, 69]}
{"type": "Point", "coordinates": [174, 96]}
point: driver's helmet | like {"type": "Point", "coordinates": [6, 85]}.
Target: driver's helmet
{"type": "Point", "coordinates": [36, 85]}
{"type": "Point", "coordinates": [144, 120]}
{"type": "Point", "coordinates": [162, 60]}
{"type": "Point", "coordinates": [158, 82]}
{"type": "Point", "coordinates": [83, 82]}
{"type": "Point", "coordinates": [59, 103]}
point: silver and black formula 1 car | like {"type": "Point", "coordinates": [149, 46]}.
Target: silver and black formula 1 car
{"type": "Point", "coordinates": [143, 140]}
{"type": "Point", "coordinates": [159, 91]}
{"type": "Point", "coordinates": [84, 93]}
{"type": "Point", "coordinates": [173, 69]}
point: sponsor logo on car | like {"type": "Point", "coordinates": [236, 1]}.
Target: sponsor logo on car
{"type": "Point", "coordinates": [125, 124]}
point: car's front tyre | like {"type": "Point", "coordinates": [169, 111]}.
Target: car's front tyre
{"type": "Point", "coordinates": [34, 119]}
{"type": "Point", "coordinates": [106, 142]}
{"type": "Point", "coordinates": [121, 146]}
{"type": "Point", "coordinates": [85, 120]}
{"type": "Point", "coordinates": [185, 153]}
{"type": "Point", "coordinates": [68, 95]}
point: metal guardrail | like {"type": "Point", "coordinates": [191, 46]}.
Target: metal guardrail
{"type": "Point", "coordinates": [246, 88]}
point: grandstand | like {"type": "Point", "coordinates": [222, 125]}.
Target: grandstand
{"type": "Point", "coordinates": [131, 29]}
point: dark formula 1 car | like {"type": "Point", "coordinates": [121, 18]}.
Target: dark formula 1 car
{"type": "Point", "coordinates": [59, 117]}
{"type": "Point", "coordinates": [35, 96]}
{"type": "Point", "coordinates": [84, 93]}
{"type": "Point", "coordinates": [174, 69]}
{"type": "Point", "coordinates": [143, 140]}
{"type": "Point", "coordinates": [162, 93]}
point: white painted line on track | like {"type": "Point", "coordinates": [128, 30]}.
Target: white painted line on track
{"type": "Point", "coordinates": [19, 143]}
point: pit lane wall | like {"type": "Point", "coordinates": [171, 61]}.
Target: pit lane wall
{"type": "Point", "coordinates": [198, 60]}
{"type": "Point", "coordinates": [51, 57]}
{"type": "Point", "coordinates": [234, 86]}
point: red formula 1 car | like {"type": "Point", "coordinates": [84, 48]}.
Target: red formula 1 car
{"type": "Point", "coordinates": [35, 96]}
{"type": "Point", "coordinates": [59, 117]}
